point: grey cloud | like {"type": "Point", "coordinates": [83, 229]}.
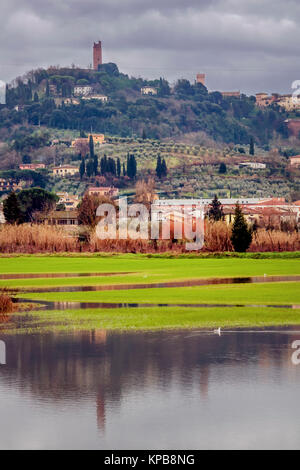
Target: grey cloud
{"type": "Point", "coordinates": [250, 45]}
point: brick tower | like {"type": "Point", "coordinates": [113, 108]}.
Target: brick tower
{"type": "Point", "coordinates": [97, 55]}
{"type": "Point", "coordinates": [201, 78]}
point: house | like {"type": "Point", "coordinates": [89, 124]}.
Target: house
{"type": "Point", "coordinates": [148, 90]}
{"type": "Point", "coordinates": [65, 170]}
{"type": "Point", "coordinates": [82, 90]}
{"type": "Point", "coordinates": [103, 191]}
{"type": "Point", "coordinates": [7, 185]}
{"type": "Point", "coordinates": [295, 161]}
{"type": "Point", "coordinates": [230, 94]}
{"type": "Point", "coordinates": [32, 166]}
{"type": "Point", "coordinates": [97, 138]}
{"type": "Point", "coordinates": [70, 201]}
{"type": "Point", "coordinates": [102, 98]}
{"type": "Point", "coordinates": [288, 102]}
{"type": "Point", "coordinates": [64, 218]}
{"type": "Point", "coordinates": [254, 165]}
{"type": "Point", "coordinates": [263, 99]}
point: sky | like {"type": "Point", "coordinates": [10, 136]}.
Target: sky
{"type": "Point", "coordinates": [246, 45]}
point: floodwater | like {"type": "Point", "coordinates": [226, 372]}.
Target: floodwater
{"type": "Point", "coordinates": [156, 390]}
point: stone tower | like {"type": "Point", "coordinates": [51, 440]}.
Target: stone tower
{"type": "Point", "coordinates": [97, 55]}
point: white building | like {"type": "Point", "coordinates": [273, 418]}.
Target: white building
{"type": "Point", "coordinates": [254, 165]}
{"type": "Point", "coordinates": [82, 90]}
{"type": "Point", "coordinates": [102, 98]}
{"type": "Point", "coordinates": [148, 90]}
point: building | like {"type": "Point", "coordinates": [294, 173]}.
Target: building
{"type": "Point", "coordinates": [264, 99]}
{"type": "Point", "coordinates": [32, 166]}
{"type": "Point", "coordinates": [97, 138]}
{"type": "Point", "coordinates": [103, 191]}
{"type": "Point", "coordinates": [231, 94]}
{"type": "Point", "coordinates": [64, 218]}
{"type": "Point", "coordinates": [97, 55]}
{"type": "Point", "coordinates": [82, 90]}
{"type": "Point", "coordinates": [2, 218]}
{"type": "Point", "coordinates": [254, 165]}
{"type": "Point", "coordinates": [7, 185]}
{"type": "Point", "coordinates": [295, 161]}
{"type": "Point", "coordinates": [65, 170]}
{"type": "Point", "coordinates": [70, 201]}
{"type": "Point", "coordinates": [102, 98]}
{"type": "Point", "coordinates": [148, 90]}
{"type": "Point", "coordinates": [288, 102]}
{"type": "Point", "coordinates": [200, 78]}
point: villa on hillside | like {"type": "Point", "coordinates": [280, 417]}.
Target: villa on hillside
{"type": "Point", "coordinates": [32, 166]}
{"type": "Point", "coordinates": [103, 191]}
{"type": "Point", "coordinates": [70, 201]}
{"type": "Point", "coordinates": [295, 161]}
{"type": "Point", "coordinates": [148, 90]}
{"type": "Point", "coordinates": [65, 170]}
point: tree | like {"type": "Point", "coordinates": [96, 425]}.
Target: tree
{"type": "Point", "coordinates": [36, 97]}
{"type": "Point", "coordinates": [241, 237]}
{"type": "Point", "coordinates": [95, 161]}
{"type": "Point", "coordinates": [164, 169]}
{"type": "Point", "coordinates": [91, 146]}
{"type": "Point", "coordinates": [118, 168]}
{"type": "Point", "coordinates": [26, 159]}
{"type": "Point", "coordinates": [222, 168]}
{"type": "Point", "coordinates": [124, 169]}
{"type": "Point", "coordinates": [215, 211]}
{"type": "Point", "coordinates": [90, 168]}
{"type": "Point", "coordinates": [158, 167]}
{"type": "Point", "coordinates": [36, 200]}
{"type": "Point", "coordinates": [251, 146]}
{"type": "Point", "coordinates": [88, 207]}
{"type": "Point", "coordinates": [145, 192]}
{"type": "Point", "coordinates": [11, 209]}
{"type": "Point", "coordinates": [82, 168]}
{"type": "Point", "coordinates": [131, 166]}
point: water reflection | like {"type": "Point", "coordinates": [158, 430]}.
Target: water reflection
{"type": "Point", "coordinates": [183, 389]}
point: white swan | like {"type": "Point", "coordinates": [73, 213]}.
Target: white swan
{"type": "Point", "coordinates": [218, 331]}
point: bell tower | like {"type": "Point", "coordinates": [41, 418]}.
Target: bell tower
{"type": "Point", "coordinates": [97, 55]}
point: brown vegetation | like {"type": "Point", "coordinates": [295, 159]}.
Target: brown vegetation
{"type": "Point", "coordinates": [29, 238]}
{"type": "Point", "coordinates": [6, 304]}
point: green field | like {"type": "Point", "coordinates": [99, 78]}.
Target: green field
{"type": "Point", "coordinates": [141, 269]}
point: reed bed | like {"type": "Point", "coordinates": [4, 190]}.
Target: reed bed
{"type": "Point", "coordinates": [32, 239]}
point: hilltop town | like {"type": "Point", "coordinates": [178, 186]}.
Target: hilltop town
{"type": "Point", "coordinates": [69, 130]}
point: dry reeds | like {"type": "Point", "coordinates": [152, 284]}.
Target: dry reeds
{"type": "Point", "coordinates": [275, 240]}
{"type": "Point", "coordinates": [28, 238]}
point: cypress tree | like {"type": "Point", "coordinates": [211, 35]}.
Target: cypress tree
{"type": "Point", "coordinates": [91, 145]}
{"type": "Point", "coordinates": [251, 146]}
{"type": "Point", "coordinates": [95, 161]}
{"type": "Point", "coordinates": [241, 237]}
{"type": "Point", "coordinates": [118, 168]}
{"type": "Point", "coordinates": [82, 168]}
{"type": "Point", "coordinates": [222, 168]}
{"type": "Point", "coordinates": [164, 170]}
{"type": "Point", "coordinates": [158, 167]}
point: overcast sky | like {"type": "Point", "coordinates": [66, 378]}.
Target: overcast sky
{"type": "Point", "coordinates": [247, 45]}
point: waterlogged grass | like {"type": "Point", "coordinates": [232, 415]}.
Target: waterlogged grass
{"type": "Point", "coordinates": [278, 293]}
{"type": "Point", "coordinates": [150, 319]}
{"type": "Point", "coordinates": [142, 269]}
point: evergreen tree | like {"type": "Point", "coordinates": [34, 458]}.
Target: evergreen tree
{"type": "Point", "coordinates": [36, 97]}
{"type": "Point", "coordinates": [103, 165]}
{"type": "Point", "coordinates": [118, 168]}
{"type": "Point", "coordinates": [124, 169]}
{"type": "Point", "coordinates": [164, 169]}
{"type": "Point", "coordinates": [95, 160]}
{"type": "Point", "coordinates": [131, 166]}
{"type": "Point", "coordinates": [11, 209]}
{"type": "Point", "coordinates": [90, 168]}
{"type": "Point", "coordinates": [144, 136]}
{"type": "Point", "coordinates": [26, 159]}
{"type": "Point", "coordinates": [222, 168]}
{"type": "Point", "coordinates": [158, 167]}
{"type": "Point", "coordinates": [82, 168]}
{"type": "Point", "coordinates": [215, 211]}
{"type": "Point", "coordinates": [241, 237]}
{"type": "Point", "coordinates": [251, 146]}
{"type": "Point", "coordinates": [91, 146]}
